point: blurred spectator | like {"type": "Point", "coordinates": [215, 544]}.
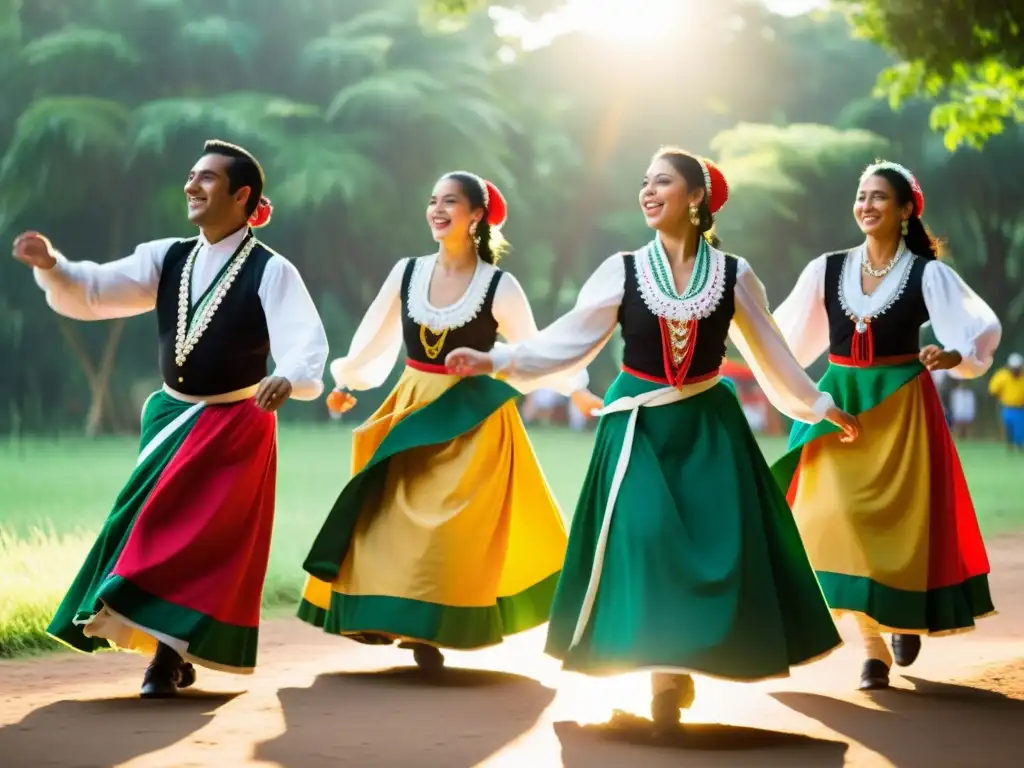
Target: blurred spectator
{"type": "Point", "coordinates": [1007, 386]}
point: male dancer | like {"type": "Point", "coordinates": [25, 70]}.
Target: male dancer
{"type": "Point", "coordinates": [179, 565]}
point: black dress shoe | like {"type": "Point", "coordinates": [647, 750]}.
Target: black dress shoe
{"type": "Point", "coordinates": [161, 682]}
{"type": "Point", "coordinates": [188, 675]}
{"type": "Point", "coordinates": [905, 649]}
{"type": "Point", "coordinates": [165, 674]}
{"type": "Point", "coordinates": [874, 676]}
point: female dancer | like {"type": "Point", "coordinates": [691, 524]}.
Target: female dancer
{"type": "Point", "coordinates": [447, 534]}
{"type": "Point", "coordinates": [683, 555]}
{"type": "Point", "coordinates": [888, 524]}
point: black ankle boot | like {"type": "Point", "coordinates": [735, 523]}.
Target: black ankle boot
{"type": "Point", "coordinates": [164, 674]}
{"type": "Point", "coordinates": [666, 705]}
{"type": "Point", "coordinates": [428, 657]}
{"type": "Point", "coordinates": [905, 649]}
{"type": "Point", "coordinates": [874, 675]}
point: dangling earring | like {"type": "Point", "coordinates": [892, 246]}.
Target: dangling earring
{"type": "Point", "coordinates": [905, 227]}
{"type": "Point", "coordinates": [694, 214]}
{"type": "Point", "coordinates": [475, 236]}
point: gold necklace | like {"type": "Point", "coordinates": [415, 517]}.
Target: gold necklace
{"type": "Point", "coordinates": [433, 350]}
{"type": "Point", "coordinates": [188, 336]}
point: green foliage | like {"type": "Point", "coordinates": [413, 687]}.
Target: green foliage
{"type": "Point", "coordinates": [969, 55]}
{"type": "Point", "coordinates": [791, 189]}
{"type": "Point", "coordinates": [457, 8]}
{"type": "Point", "coordinates": [356, 108]}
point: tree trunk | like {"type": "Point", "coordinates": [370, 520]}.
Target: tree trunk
{"type": "Point", "coordinates": [99, 384]}
{"type": "Point", "coordinates": [98, 377]}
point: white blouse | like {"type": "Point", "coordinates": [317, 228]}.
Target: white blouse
{"type": "Point", "coordinates": [378, 339]}
{"type": "Point", "coordinates": [573, 340]}
{"type": "Point", "coordinates": [962, 321]}
{"type": "Point", "coordinates": [86, 290]}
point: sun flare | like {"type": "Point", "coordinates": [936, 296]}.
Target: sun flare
{"type": "Point", "coordinates": [626, 20]}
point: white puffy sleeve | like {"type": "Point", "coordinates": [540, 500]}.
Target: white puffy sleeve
{"type": "Point", "coordinates": [377, 341]}
{"type": "Point", "coordinates": [298, 342]}
{"type": "Point", "coordinates": [569, 344]}
{"type": "Point", "coordinates": [801, 318]}
{"type": "Point", "coordinates": [515, 323]}
{"type": "Point", "coordinates": [759, 340]}
{"type": "Point", "coordinates": [962, 321]}
{"type": "Point", "coordinates": [86, 290]}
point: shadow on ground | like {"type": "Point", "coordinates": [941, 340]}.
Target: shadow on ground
{"type": "Point", "coordinates": [627, 739]}
{"type": "Point", "coordinates": [468, 712]}
{"type": "Point", "coordinates": [933, 724]}
{"type": "Point", "coordinates": [104, 732]}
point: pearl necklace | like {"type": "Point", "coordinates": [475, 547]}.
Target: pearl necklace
{"type": "Point", "coordinates": [188, 334]}
{"type": "Point", "coordinates": [866, 265]}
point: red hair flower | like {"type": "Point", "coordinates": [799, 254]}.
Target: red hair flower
{"type": "Point", "coordinates": [497, 208]}
{"type": "Point", "coordinates": [261, 216]}
{"type": "Point", "coordinates": [719, 187]}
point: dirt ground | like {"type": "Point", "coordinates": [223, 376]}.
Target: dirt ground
{"type": "Point", "coordinates": [318, 701]}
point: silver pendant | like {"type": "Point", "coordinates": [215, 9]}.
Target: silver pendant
{"type": "Point", "coordinates": [861, 326]}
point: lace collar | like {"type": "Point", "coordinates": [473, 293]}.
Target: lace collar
{"type": "Point", "coordinates": [702, 295]}
{"type": "Point", "coordinates": [455, 315]}
{"type": "Point", "coordinates": [859, 306]}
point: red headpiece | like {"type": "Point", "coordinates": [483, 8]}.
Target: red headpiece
{"type": "Point", "coordinates": [715, 184]}
{"type": "Point", "coordinates": [494, 201]}
{"type": "Point", "coordinates": [915, 187]}
{"type": "Point", "coordinates": [261, 216]}
{"type": "Point", "coordinates": [497, 208]}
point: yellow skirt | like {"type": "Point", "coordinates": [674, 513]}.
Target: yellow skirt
{"type": "Point", "coordinates": [887, 521]}
{"type": "Point", "coordinates": [451, 539]}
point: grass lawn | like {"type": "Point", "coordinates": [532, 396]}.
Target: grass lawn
{"type": "Point", "coordinates": [55, 495]}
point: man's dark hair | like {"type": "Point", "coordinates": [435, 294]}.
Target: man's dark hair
{"type": "Point", "coordinates": [243, 170]}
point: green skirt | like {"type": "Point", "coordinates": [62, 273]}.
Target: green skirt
{"type": "Point", "coordinates": [704, 570]}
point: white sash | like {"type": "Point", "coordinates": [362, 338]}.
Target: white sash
{"type": "Point", "coordinates": [652, 399]}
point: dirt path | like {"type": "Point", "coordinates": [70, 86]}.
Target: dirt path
{"type": "Point", "coordinates": [321, 701]}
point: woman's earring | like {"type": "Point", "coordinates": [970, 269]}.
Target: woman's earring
{"type": "Point", "coordinates": [474, 236]}
{"type": "Point", "coordinates": [694, 214]}
{"type": "Point", "coordinates": [905, 227]}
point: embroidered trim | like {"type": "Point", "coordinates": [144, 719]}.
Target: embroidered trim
{"type": "Point", "coordinates": [189, 333]}
{"type": "Point", "coordinates": [699, 306]}
{"type": "Point", "coordinates": [456, 315]}
{"type": "Point", "coordinates": [853, 258]}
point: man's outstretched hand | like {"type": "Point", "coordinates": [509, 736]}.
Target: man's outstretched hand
{"type": "Point", "coordinates": [34, 250]}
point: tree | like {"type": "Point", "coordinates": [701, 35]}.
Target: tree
{"type": "Point", "coordinates": [75, 145]}
{"type": "Point", "coordinates": [968, 55]}
{"type": "Point", "coordinates": [106, 105]}
{"type": "Point", "coordinates": [791, 191]}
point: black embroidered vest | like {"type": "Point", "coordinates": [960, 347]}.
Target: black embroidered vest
{"type": "Point", "coordinates": [232, 353]}
{"type": "Point", "coordinates": [642, 333]}
{"type": "Point", "coordinates": [896, 331]}
{"type": "Point", "coordinates": [480, 333]}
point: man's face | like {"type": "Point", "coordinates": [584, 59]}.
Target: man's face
{"type": "Point", "coordinates": [207, 195]}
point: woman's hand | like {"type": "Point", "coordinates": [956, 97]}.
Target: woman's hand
{"type": "Point", "coordinates": [340, 401]}
{"type": "Point", "coordinates": [937, 359]}
{"type": "Point", "coordinates": [586, 402]}
{"type": "Point", "coordinates": [469, 362]}
{"type": "Point", "coordinates": [846, 422]}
